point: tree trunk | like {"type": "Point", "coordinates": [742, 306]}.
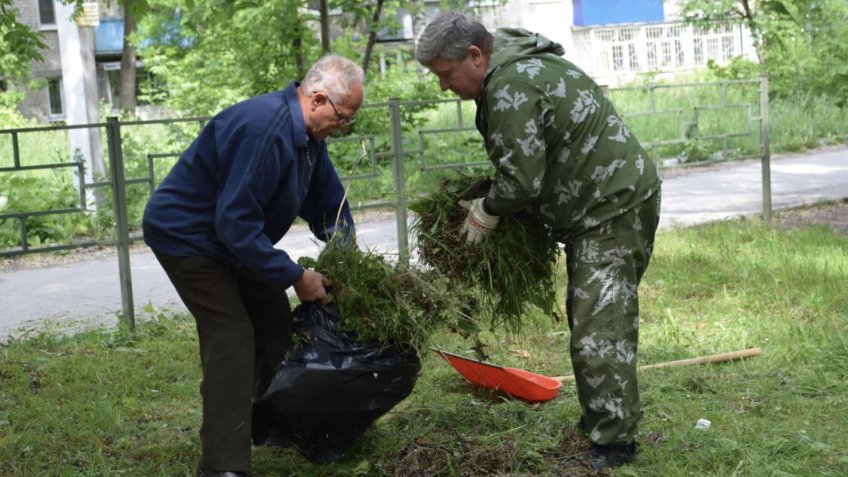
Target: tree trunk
{"type": "Point", "coordinates": [748, 17]}
{"type": "Point", "coordinates": [128, 60]}
{"type": "Point", "coordinates": [372, 35]}
{"type": "Point", "coordinates": [325, 26]}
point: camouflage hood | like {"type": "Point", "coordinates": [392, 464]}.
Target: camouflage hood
{"type": "Point", "coordinates": [512, 44]}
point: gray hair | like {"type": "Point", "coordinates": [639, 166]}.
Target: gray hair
{"type": "Point", "coordinates": [448, 37]}
{"type": "Point", "coordinates": [333, 74]}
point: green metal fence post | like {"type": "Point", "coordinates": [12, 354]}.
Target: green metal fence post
{"type": "Point", "coordinates": [400, 181]}
{"type": "Point", "coordinates": [119, 201]}
{"type": "Point", "coordinates": [764, 148]}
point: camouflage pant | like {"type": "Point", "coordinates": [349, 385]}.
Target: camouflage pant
{"type": "Point", "coordinates": [605, 265]}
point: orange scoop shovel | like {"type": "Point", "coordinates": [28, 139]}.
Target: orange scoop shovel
{"type": "Point", "coordinates": [532, 387]}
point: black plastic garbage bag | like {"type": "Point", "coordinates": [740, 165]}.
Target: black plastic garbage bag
{"type": "Point", "coordinates": [331, 387]}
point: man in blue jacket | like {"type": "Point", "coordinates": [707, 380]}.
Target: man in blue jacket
{"type": "Point", "coordinates": [213, 223]}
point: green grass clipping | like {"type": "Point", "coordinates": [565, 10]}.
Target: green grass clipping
{"type": "Point", "coordinates": [392, 303]}
{"type": "Point", "coordinates": [512, 268]}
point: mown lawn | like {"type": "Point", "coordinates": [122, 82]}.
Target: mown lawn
{"type": "Point", "coordinates": [123, 403]}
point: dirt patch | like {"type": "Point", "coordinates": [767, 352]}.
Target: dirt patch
{"type": "Point", "coordinates": [568, 458]}
{"type": "Point", "coordinates": [466, 458]}
{"type": "Point", "coordinates": [831, 214]}
{"type": "Point", "coordinates": [65, 257]}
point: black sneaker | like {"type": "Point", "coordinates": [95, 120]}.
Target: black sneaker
{"type": "Point", "coordinates": [603, 457]}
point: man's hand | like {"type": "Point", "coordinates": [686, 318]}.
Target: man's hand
{"type": "Point", "coordinates": [312, 286]}
{"type": "Point", "coordinates": [478, 223]}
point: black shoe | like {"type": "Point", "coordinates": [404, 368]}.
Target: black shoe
{"type": "Point", "coordinates": [603, 457]}
{"type": "Point", "coordinates": [581, 425]}
{"type": "Point", "coordinates": [278, 442]}
{"type": "Point", "coordinates": [220, 473]}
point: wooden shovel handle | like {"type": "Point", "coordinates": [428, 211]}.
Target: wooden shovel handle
{"type": "Point", "coordinates": [713, 358]}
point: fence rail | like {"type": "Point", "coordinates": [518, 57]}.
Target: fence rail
{"type": "Point", "coordinates": [412, 149]}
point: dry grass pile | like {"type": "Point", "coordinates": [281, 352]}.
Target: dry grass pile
{"type": "Point", "coordinates": [512, 268]}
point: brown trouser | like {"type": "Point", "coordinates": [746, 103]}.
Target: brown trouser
{"type": "Point", "coordinates": [243, 326]}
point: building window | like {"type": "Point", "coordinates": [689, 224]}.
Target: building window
{"type": "Point", "coordinates": [652, 56]}
{"type": "Point", "coordinates": [617, 58]}
{"type": "Point", "coordinates": [712, 49]}
{"type": "Point", "coordinates": [54, 94]}
{"type": "Point", "coordinates": [634, 58]}
{"type": "Point", "coordinates": [46, 12]}
{"type": "Point", "coordinates": [698, 45]}
{"type": "Point", "coordinates": [726, 48]}
{"type": "Point", "coordinates": [666, 54]}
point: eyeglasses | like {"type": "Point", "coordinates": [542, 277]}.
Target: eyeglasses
{"type": "Point", "coordinates": [343, 121]}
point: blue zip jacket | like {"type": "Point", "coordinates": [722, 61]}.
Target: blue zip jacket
{"type": "Point", "coordinates": [238, 188]}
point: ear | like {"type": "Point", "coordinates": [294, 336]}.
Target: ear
{"type": "Point", "coordinates": [318, 99]}
{"type": "Point", "coordinates": [476, 54]}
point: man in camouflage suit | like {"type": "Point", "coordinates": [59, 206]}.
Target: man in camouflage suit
{"type": "Point", "coordinates": [561, 151]}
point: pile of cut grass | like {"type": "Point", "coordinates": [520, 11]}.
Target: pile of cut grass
{"type": "Point", "coordinates": [514, 267]}
{"type": "Point", "coordinates": [392, 303]}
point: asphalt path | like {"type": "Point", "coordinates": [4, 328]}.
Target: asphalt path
{"type": "Point", "coordinates": [86, 293]}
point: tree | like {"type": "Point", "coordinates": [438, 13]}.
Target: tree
{"type": "Point", "coordinates": [212, 53]}
{"type": "Point", "coordinates": [370, 17]}
{"type": "Point", "coordinates": [134, 10]}
{"type": "Point", "coordinates": [372, 35]}
{"type": "Point", "coordinates": [129, 58]}
{"type": "Point", "coordinates": [325, 26]}
{"type": "Point", "coordinates": [708, 12]}
{"type": "Point", "coordinates": [801, 45]}
{"type": "Point", "coordinates": [19, 45]}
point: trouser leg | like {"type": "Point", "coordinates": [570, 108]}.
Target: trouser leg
{"type": "Point", "coordinates": [270, 312]}
{"type": "Point", "coordinates": [225, 333]}
{"type": "Point", "coordinates": [604, 266]}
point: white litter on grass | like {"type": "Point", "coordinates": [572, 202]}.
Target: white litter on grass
{"type": "Point", "coordinates": [702, 424]}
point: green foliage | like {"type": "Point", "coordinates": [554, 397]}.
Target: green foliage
{"type": "Point", "coordinates": [803, 121]}
{"type": "Point", "coordinates": [213, 54]}
{"type": "Point", "coordinates": [737, 69]}
{"type": "Point", "coordinates": [10, 117]}
{"type": "Point", "coordinates": [386, 302]}
{"type": "Point", "coordinates": [689, 122]}
{"type": "Point", "coordinates": [502, 276]}
{"type": "Point", "coordinates": [802, 46]}
{"type": "Point", "coordinates": [809, 50]}
{"type": "Point", "coordinates": [56, 188]}
{"type": "Point", "coordinates": [18, 44]}
{"type": "Point", "coordinates": [46, 190]}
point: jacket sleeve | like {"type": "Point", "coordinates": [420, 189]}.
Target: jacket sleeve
{"type": "Point", "coordinates": [239, 217]}
{"type": "Point", "coordinates": [326, 208]}
{"type": "Point", "coordinates": [516, 113]}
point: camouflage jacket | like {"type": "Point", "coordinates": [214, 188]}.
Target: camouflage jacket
{"type": "Point", "coordinates": [557, 144]}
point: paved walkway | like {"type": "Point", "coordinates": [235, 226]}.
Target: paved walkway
{"type": "Point", "coordinates": [86, 293]}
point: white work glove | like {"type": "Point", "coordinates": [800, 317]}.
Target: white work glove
{"type": "Point", "coordinates": [478, 223]}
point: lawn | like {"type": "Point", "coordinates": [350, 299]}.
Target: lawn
{"type": "Point", "coordinates": [125, 403]}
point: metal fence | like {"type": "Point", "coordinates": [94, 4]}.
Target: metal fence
{"type": "Point", "coordinates": [407, 139]}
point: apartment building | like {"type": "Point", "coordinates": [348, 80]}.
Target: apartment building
{"type": "Point", "coordinates": [615, 41]}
